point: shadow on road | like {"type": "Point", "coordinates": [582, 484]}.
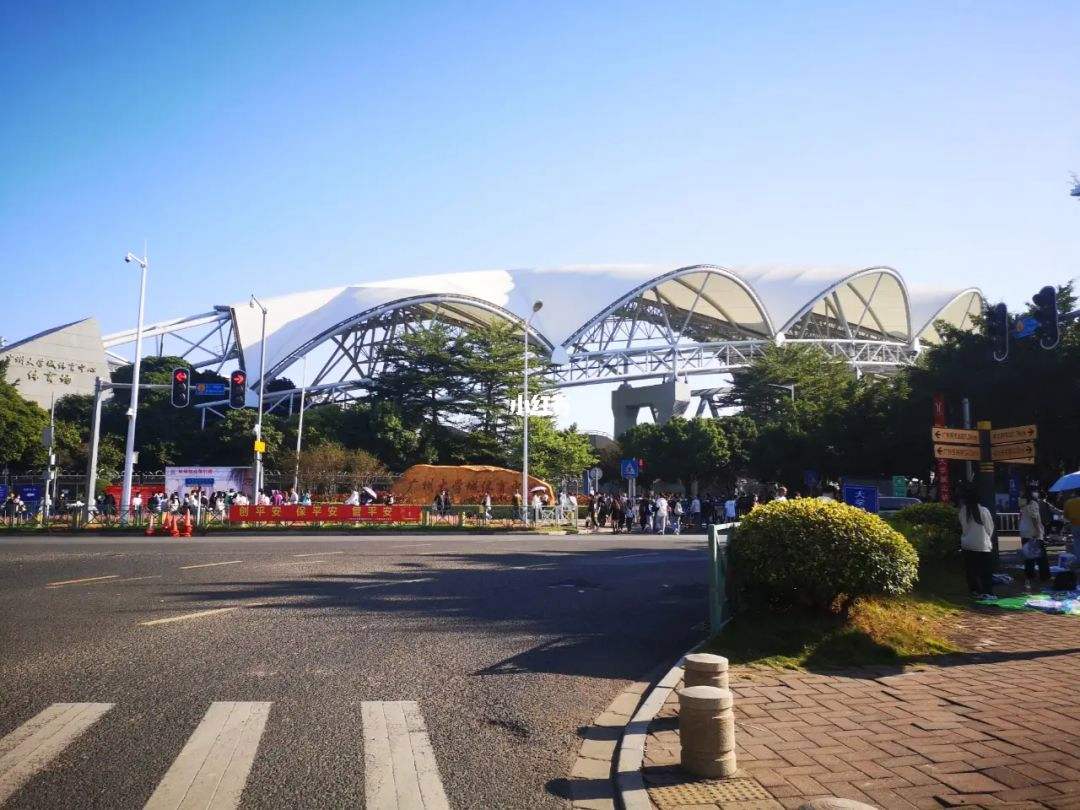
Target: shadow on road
{"type": "Point", "coordinates": [603, 614]}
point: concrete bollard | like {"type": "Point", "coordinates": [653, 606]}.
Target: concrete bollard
{"type": "Point", "coordinates": [705, 669]}
{"type": "Point", "coordinates": [707, 731]}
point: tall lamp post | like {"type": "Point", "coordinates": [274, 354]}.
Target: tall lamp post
{"type": "Point", "coordinates": [129, 448]}
{"type": "Point", "coordinates": [300, 428]}
{"type": "Point", "coordinates": [262, 385]}
{"type": "Point", "coordinates": [536, 307]}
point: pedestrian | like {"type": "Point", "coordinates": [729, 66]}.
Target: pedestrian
{"type": "Point", "coordinates": [487, 507]}
{"type": "Point", "coordinates": [353, 499]}
{"type": "Point", "coordinates": [660, 519]}
{"type": "Point", "coordinates": [136, 505]}
{"type": "Point", "coordinates": [677, 516]}
{"type": "Point", "coordinates": [781, 494]}
{"type": "Point", "coordinates": [1032, 539]}
{"type": "Point", "coordinates": [730, 508]}
{"type": "Point", "coordinates": [537, 503]}
{"type": "Point", "coordinates": [518, 514]}
{"type": "Point", "coordinates": [695, 512]}
{"type": "Point", "coordinates": [977, 529]}
{"type": "Point", "coordinates": [617, 507]}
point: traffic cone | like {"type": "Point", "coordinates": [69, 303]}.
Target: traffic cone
{"type": "Point", "coordinates": [150, 526]}
{"type": "Point", "coordinates": [174, 526]}
{"type": "Point", "coordinates": [187, 524]}
{"type": "Point", "coordinates": [166, 517]}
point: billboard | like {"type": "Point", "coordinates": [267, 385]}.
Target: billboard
{"type": "Point", "coordinates": [208, 479]}
{"type": "Point", "coordinates": [325, 513]}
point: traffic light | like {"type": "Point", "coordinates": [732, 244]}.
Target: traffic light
{"type": "Point", "coordinates": [237, 389]}
{"type": "Point", "coordinates": [997, 329]}
{"type": "Point", "coordinates": [1046, 317]}
{"type": "Point", "coordinates": [181, 387]}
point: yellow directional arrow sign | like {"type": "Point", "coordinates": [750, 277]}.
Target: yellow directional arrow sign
{"type": "Point", "coordinates": [954, 435]}
{"type": "Point", "coordinates": [1022, 433]}
{"type": "Point", "coordinates": [1012, 452]}
{"type": "Point", "coordinates": [959, 452]}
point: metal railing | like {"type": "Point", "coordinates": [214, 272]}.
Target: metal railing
{"type": "Point", "coordinates": [1007, 522]}
{"type": "Point", "coordinates": [720, 602]}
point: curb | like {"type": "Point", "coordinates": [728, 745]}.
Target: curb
{"type": "Point", "coordinates": [629, 783]}
{"type": "Point", "coordinates": [607, 772]}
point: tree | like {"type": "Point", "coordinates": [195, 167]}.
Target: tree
{"type": "Point", "coordinates": [330, 467]}
{"type": "Point", "coordinates": [553, 454]}
{"type": "Point", "coordinates": [21, 425]}
{"type": "Point", "coordinates": [687, 450]}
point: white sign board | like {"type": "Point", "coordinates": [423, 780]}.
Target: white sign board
{"type": "Point", "coordinates": [208, 479]}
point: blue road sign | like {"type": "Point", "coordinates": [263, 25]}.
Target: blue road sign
{"type": "Point", "coordinates": [628, 467]}
{"type": "Point", "coordinates": [862, 497]}
{"type": "Point", "coordinates": [31, 492]}
{"type": "Point", "coordinates": [1024, 327]}
{"type": "Point", "coordinates": [210, 389]}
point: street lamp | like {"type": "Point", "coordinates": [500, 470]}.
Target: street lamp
{"type": "Point", "coordinates": [787, 387]}
{"type": "Point", "coordinates": [536, 307]}
{"type": "Point", "coordinates": [300, 428]}
{"type": "Point", "coordinates": [129, 448]}
{"type": "Point", "coordinates": [253, 302]}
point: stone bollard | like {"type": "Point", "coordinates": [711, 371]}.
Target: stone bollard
{"type": "Point", "coordinates": [705, 669]}
{"type": "Point", "coordinates": [707, 731]}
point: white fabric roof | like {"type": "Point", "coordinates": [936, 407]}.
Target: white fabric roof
{"type": "Point", "coordinates": [764, 298]}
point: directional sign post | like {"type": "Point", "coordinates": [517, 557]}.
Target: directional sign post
{"type": "Point", "coordinates": [954, 436]}
{"type": "Point", "coordinates": [1023, 433]}
{"type": "Point", "coordinates": [1018, 453]}
{"type": "Point", "coordinates": [957, 452]}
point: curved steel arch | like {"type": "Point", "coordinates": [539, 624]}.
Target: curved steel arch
{"type": "Point", "coordinates": [644, 287]}
{"type": "Point", "coordinates": [937, 314]}
{"type": "Point", "coordinates": [836, 285]}
{"type": "Point", "coordinates": [439, 300]}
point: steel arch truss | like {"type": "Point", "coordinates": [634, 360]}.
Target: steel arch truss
{"type": "Point", "coordinates": [358, 345]}
{"type": "Point", "coordinates": [205, 341]}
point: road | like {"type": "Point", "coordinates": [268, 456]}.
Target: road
{"type": "Point", "coordinates": [503, 646]}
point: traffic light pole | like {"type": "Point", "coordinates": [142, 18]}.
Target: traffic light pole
{"type": "Point", "coordinates": [129, 448]}
{"type": "Point", "coordinates": [95, 436]}
{"type": "Point", "coordinates": [986, 483]}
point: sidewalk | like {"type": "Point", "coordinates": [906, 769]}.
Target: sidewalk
{"type": "Point", "coordinates": [997, 727]}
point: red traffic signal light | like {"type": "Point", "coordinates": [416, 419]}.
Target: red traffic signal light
{"type": "Point", "coordinates": [181, 387]}
{"type": "Point", "coordinates": [237, 388]}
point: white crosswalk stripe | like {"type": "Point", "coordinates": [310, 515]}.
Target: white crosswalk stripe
{"type": "Point", "coordinates": [213, 767]}
{"type": "Point", "coordinates": [400, 772]}
{"type": "Point", "coordinates": [40, 740]}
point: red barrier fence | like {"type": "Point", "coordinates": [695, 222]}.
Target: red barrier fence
{"type": "Point", "coordinates": [325, 513]}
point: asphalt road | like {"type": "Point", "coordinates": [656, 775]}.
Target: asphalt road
{"type": "Point", "coordinates": [508, 644]}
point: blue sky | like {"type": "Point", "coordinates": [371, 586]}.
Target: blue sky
{"type": "Point", "coordinates": [272, 148]}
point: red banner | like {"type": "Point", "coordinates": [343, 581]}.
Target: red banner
{"type": "Point", "coordinates": [146, 490]}
{"type": "Point", "coordinates": [943, 482]}
{"type": "Point", "coordinates": [325, 513]}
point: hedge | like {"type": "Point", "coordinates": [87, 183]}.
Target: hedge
{"type": "Point", "coordinates": [932, 528]}
{"type": "Point", "coordinates": [819, 554]}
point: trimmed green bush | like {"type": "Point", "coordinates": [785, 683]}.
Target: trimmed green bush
{"type": "Point", "coordinates": [819, 554]}
{"type": "Point", "coordinates": [932, 528]}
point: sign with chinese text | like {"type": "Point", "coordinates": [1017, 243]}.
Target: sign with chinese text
{"type": "Point", "coordinates": [861, 496]}
{"type": "Point", "coordinates": [208, 479]}
{"type": "Point", "coordinates": [959, 452]}
{"type": "Point", "coordinates": [326, 513]}
{"type": "Point", "coordinates": [941, 466]}
{"type": "Point", "coordinates": [954, 435]}
{"type": "Point", "coordinates": [1023, 433]}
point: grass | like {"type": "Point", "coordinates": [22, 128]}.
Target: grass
{"type": "Point", "coordinates": [881, 630]}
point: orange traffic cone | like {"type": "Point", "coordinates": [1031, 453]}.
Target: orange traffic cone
{"type": "Point", "coordinates": [163, 529]}
{"type": "Point", "coordinates": [174, 526]}
{"type": "Point", "coordinates": [187, 524]}
{"type": "Point", "coordinates": [150, 526]}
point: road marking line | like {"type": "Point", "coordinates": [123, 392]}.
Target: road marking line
{"type": "Point", "coordinates": [37, 742]}
{"type": "Point", "coordinates": [77, 581]}
{"type": "Point", "coordinates": [189, 616]}
{"type": "Point", "coordinates": [400, 770]}
{"type": "Point", "coordinates": [394, 582]}
{"type": "Point", "coordinates": [136, 579]}
{"type": "Point", "coordinates": [319, 554]}
{"type": "Point", "coordinates": [213, 766]}
{"type": "Point", "coordinates": [209, 565]}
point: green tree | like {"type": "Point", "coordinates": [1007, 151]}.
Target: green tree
{"type": "Point", "coordinates": [21, 425]}
{"type": "Point", "coordinates": [553, 454]}
{"type": "Point", "coordinates": [685, 450]}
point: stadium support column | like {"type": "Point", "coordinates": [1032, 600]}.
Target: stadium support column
{"type": "Point", "coordinates": [667, 399]}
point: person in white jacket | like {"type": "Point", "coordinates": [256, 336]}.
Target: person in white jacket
{"type": "Point", "coordinates": [976, 545]}
{"type": "Point", "coordinates": [1032, 534]}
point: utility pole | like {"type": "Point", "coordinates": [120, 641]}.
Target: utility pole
{"type": "Point", "coordinates": [129, 447]}
{"type": "Point", "coordinates": [262, 387]}
{"type": "Point", "coordinates": [986, 481]}
{"type": "Point", "coordinates": [95, 438]}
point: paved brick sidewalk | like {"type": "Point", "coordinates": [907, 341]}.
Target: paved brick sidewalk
{"type": "Point", "coordinates": [998, 727]}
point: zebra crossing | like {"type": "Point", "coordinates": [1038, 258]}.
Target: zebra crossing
{"type": "Point", "coordinates": [212, 769]}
